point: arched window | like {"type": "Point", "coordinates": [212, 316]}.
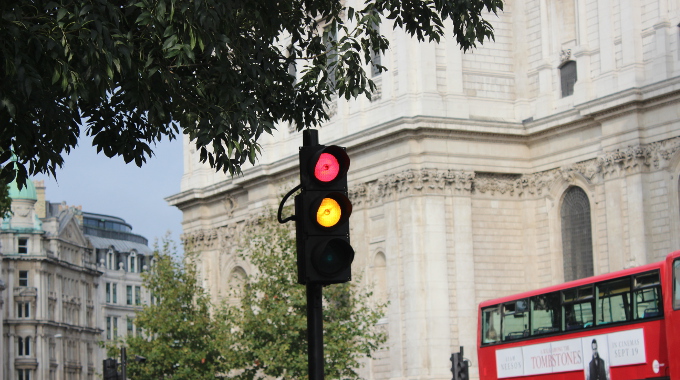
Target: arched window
{"type": "Point", "coordinates": [110, 260]}
{"type": "Point", "coordinates": [568, 78]}
{"type": "Point", "coordinates": [577, 239]}
{"type": "Point", "coordinates": [132, 262]}
{"type": "Point", "coordinates": [237, 280]}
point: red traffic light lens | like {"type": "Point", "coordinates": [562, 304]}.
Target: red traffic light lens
{"type": "Point", "coordinates": [327, 167]}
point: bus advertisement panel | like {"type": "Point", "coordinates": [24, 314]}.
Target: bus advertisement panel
{"type": "Point", "coordinates": [617, 326]}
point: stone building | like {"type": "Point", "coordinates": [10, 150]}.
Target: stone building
{"type": "Point", "coordinates": [550, 154]}
{"type": "Point", "coordinates": [53, 310]}
{"type": "Point", "coordinates": [50, 316]}
{"type": "Point", "coordinates": [122, 256]}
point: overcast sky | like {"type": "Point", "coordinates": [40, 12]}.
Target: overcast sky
{"type": "Point", "coordinates": [108, 186]}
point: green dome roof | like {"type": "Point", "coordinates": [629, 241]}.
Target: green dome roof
{"type": "Point", "coordinates": [27, 192]}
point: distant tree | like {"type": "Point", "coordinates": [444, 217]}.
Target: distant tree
{"type": "Point", "coordinates": [5, 200]}
{"type": "Point", "coordinates": [180, 337]}
{"type": "Point", "coordinates": [269, 327]}
{"type": "Point", "coordinates": [135, 71]}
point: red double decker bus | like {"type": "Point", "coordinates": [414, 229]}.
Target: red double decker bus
{"type": "Point", "coordinates": [617, 326]}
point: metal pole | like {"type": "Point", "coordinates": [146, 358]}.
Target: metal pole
{"type": "Point", "coordinates": [123, 363]}
{"type": "Point", "coordinates": [314, 332]}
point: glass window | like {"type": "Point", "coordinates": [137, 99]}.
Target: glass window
{"type": "Point", "coordinates": [577, 242]}
{"type": "Point", "coordinates": [23, 278]}
{"type": "Point", "coordinates": [114, 288]}
{"type": "Point", "coordinates": [130, 326]}
{"type": "Point", "coordinates": [108, 292]}
{"type": "Point", "coordinates": [676, 284]}
{"type": "Point", "coordinates": [515, 322]}
{"type": "Point", "coordinates": [138, 295]}
{"type": "Point", "coordinates": [23, 374]}
{"type": "Point", "coordinates": [23, 245]}
{"type": "Point", "coordinates": [23, 309]}
{"type": "Point", "coordinates": [568, 78]}
{"type": "Point", "coordinates": [647, 296]}
{"type": "Point", "coordinates": [613, 301]}
{"type": "Point", "coordinates": [546, 314]}
{"type": "Point", "coordinates": [129, 294]}
{"type": "Point", "coordinates": [491, 324]}
{"type": "Point", "coordinates": [578, 307]}
{"type": "Point", "coordinates": [115, 327]}
{"type": "Point", "coordinates": [108, 328]}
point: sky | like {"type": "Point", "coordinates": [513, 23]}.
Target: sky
{"type": "Point", "coordinates": [108, 186]}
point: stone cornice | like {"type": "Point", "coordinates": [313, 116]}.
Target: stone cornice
{"type": "Point", "coordinates": [430, 181]}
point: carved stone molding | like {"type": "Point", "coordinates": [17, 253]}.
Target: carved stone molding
{"type": "Point", "coordinates": [621, 162]}
{"type": "Point", "coordinates": [222, 238]}
{"type": "Point", "coordinates": [410, 182]}
{"type": "Point", "coordinates": [565, 55]}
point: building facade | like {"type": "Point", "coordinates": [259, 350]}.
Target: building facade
{"type": "Point", "coordinates": [549, 154]}
{"type": "Point", "coordinates": [54, 311]}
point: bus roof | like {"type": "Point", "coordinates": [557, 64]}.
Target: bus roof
{"type": "Point", "coordinates": [576, 283]}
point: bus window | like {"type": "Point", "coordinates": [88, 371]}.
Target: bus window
{"type": "Point", "coordinates": [491, 323]}
{"type": "Point", "coordinates": [546, 315]}
{"type": "Point", "coordinates": [515, 320]}
{"type": "Point", "coordinates": [578, 307]}
{"type": "Point", "coordinates": [613, 301]}
{"type": "Point", "coordinates": [647, 296]}
{"type": "Point", "coordinates": [676, 284]}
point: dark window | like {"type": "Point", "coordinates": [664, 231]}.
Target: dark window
{"type": "Point", "coordinates": [491, 324]}
{"type": "Point", "coordinates": [24, 346]}
{"type": "Point", "coordinates": [546, 314]}
{"type": "Point", "coordinates": [23, 309]}
{"type": "Point", "coordinates": [568, 78]}
{"type": "Point", "coordinates": [613, 301]}
{"type": "Point", "coordinates": [23, 278]}
{"type": "Point", "coordinates": [23, 245]}
{"type": "Point", "coordinates": [578, 308]}
{"type": "Point", "coordinates": [515, 322]}
{"type": "Point", "coordinates": [676, 284]}
{"type": "Point", "coordinates": [577, 242]}
{"type": "Point", "coordinates": [647, 296]}
{"type": "Point", "coordinates": [129, 294]}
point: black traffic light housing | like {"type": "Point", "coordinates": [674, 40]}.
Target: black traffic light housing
{"type": "Point", "coordinates": [322, 211]}
{"type": "Point", "coordinates": [110, 369]}
{"type": "Point", "coordinates": [459, 366]}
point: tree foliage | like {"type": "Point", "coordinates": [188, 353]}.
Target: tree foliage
{"type": "Point", "coordinates": [5, 200]}
{"type": "Point", "coordinates": [135, 71]}
{"type": "Point", "coordinates": [270, 326]}
{"type": "Point", "coordinates": [260, 330]}
{"type": "Point", "coordinates": [180, 339]}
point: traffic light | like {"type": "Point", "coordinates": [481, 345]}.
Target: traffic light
{"type": "Point", "coordinates": [322, 211]}
{"type": "Point", "coordinates": [459, 366]}
{"type": "Point", "coordinates": [110, 369]}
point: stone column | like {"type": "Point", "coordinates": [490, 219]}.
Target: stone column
{"type": "Point", "coordinates": [463, 251]}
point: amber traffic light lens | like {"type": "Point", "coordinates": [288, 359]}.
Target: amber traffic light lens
{"type": "Point", "coordinates": [329, 212]}
{"type": "Point", "coordinates": [327, 167]}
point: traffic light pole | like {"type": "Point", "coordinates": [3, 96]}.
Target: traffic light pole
{"type": "Point", "coordinates": [315, 359]}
